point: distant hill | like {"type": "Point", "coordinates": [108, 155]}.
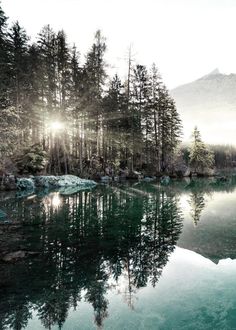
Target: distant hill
{"type": "Point", "coordinates": [209, 103]}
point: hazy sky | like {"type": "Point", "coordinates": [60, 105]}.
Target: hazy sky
{"type": "Point", "coordinates": [186, 38]}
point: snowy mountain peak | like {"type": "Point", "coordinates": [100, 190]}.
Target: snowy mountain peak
{"type": "Point", "coordinates": [214, 72]}
{"type": "Point", "coordinates": [209, 100]}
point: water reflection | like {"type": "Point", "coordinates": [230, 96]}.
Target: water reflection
{"type": "Point", "coordinates": [197, 204]}
{"type": "Point", "coordinates": [80, 247]}
{"type": "Point", "coordinates": [83, 245]}
{"type": "Point", "coordinates": [52, 201]}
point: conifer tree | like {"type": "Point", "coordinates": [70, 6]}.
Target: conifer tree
{"type": "Point", "coordinates": [63, 70]}
{"type": "Point", "coordinates": [19, 86]}
{"type": "Point", "coordinates": [200, 157]}
{"type": "Point", "coordinates": [94, 80]}
{"type": "Point", "coordinates": [113, 123]}
{"type": "Point", "coordinates": [47, 47]}
{"type": "Point", "coordinates": [4, 61]}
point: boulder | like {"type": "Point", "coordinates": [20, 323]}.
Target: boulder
{"type": "Point", "coordinates": [51, 181]}
{"type": "Point", "coordinates": [3, 215]}
{"type": "Point", "coordinates": [165, 180]}
{"type": "Point", "coordinates": [25, 184]}
{"type": "Point", "coordinates": [74, 181]}
{"type": "Point", "coordinates": [106, 179]}
{"type": "Point", "coordinates": [149, 179]}
{"type": "Point", "coordinates": [45, 181]}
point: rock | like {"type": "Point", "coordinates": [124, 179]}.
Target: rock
{"type": "Point", "coordinates": [25, 184]}
{"type": "Point", "coordinates": [51, 181]}
{"type": "Point", "coordinates": [106, 179]}
{"type": "Point", "coordinates": [3, 215]}
{"type": "Point", "coordinates": [149, 179]}
{"type": "Point", "coordinates": [45, 181]}
{"type": "Point", "coordinates": [74, 181]}
{"type": "Point", "coordinates": [165, 180]}
{"type": "Point", "coordinates": [14, 256]}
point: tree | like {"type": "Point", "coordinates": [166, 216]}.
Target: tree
{"type": "Point", "coordinates": [32, 160]}
{"type": "Point", "coordinates": [9, 131]}
{"type": "Point", "coordinates": [167, 126]}
{"type": "Point", "coordinates": [47, 47]}
{"type": "Point", "coordinates": [200, 157]}
{"type": "Point", "coordinates": [4, 62]}
{"type": "Point", "coordinates": [19, 55]}
{"type": "Point", "coordinates": [94, 80]}
{"type": "Point", "coordinates": [19, 80]}
{"type": "Point", "coordinates": [141, 114]}
{"type": "Point", "coordinates": [113, 103]}
{"type": "Point", "coordinates": [63, 60]}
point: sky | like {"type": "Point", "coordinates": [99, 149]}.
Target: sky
{"type": "Point", "coordinates": [185, 38]}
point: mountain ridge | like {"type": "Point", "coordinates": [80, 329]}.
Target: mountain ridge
{"type": "Point", "coordinates": [211, 99]}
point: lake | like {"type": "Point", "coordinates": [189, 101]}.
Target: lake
{"type": "Point", "coordinates": [124, 256]}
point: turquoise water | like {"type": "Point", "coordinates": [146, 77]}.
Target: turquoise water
{"type": "Point", "coordinates": [124, 256]}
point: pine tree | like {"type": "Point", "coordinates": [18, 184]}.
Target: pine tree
{"type": "Point", "coordinates": [4, 62]}
{"type": "Point", "coordinates": [75, 103]}
{"type": "Point", "coordinates": [20, 91]}
{"type": "Point", "coordinates": [200, 157]}
{"type": "Point", "coordinates": [167, 126]}
{"type": "Point", "coordinates": [9, 130]}
{"type": "Point", "coordinates": [114, 122]}
{"type": "Point", "coordinates": [155, 105]}
{"type": "Point", "coordinates": [63, 70]}
{"type": "Point", "coordinates": [36, 95]}
{"type": "Point", "coordinates": [94, 80]}
{"type": "Point", "coordinates": [138, 108]}
{"type": "Point", "coordinates": [47, 47]}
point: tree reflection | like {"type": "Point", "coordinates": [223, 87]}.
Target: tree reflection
{"type": "Point", "coordinates": [82, 247]}
{"type": "Point", "coordinates": [197, 203]}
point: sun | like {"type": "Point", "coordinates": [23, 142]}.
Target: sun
{"type": "Point", "coordinates": [56, 126]}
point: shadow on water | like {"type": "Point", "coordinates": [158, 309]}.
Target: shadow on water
{"type": "Point", "coordinates": [75, 246]}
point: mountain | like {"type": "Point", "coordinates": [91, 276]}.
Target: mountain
{"type": "Point", "coordinates": [210, 104]}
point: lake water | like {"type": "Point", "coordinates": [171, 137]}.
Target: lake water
{"type": "Point", "coordinates": [124, 256]}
